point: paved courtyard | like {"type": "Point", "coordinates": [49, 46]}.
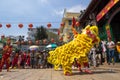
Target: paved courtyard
{"type": "Point", "coordinates": [100, 73]}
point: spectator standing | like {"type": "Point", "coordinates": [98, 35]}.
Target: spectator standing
{"type": "Point", "coordinates": [23, 59]}
{"type": "Point", "coordinates": [41, 60]}
{"type": "Point", "coordinates": [28, 60]}
{"type": "Point", "coordinates": [19, 61]}
{"type": "Point", "coordinates": [33, 63]}
{"type": "Point", "coordinates": [99, 54]}
{"type": "Point", "coordinates": [104, 50]}
{"type": "Point", "coordinates": [45, 59]}
{"type": "Point", "coordinates": [93, 53]}
{"type": "Point", "coordinates": [15, 60]}
{"type": "Point", "coordinates": [111, 51]}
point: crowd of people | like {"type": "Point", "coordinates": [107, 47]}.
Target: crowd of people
{"type": "Point", "coordinates": [105, 52]}
{"type": "Point", "coordinates": [22, 59]}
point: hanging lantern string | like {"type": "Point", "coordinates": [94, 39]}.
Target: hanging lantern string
{"type": "Point", "coordinates": [12, 22]}
{"type": "Point", "coordinates": [30, 25]}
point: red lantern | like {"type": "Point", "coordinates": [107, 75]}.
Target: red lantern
{"type": "Point", "coordinates": [0, 25]}
{"type": "Point", "coordinates": [18, 43]}
{"type": "Point", "coordinates": [68, 37]}
{"type": "Point", "coordinates": [61, 38]}
{"type": "Point", "coordinates": [22, 42]}
{"type": "Point", "coordinates": [2, 37]}
{"type": "Point", "coordinates": [8, 25]}
{"type": "Point", "coordinates": [8, 40]}
{"type": "Point", "coordinates": [77, 24]}
{"type": "Point", "coordinates": [58, 32]}
{"type": "Point", "coordinates": [37, 42]}
{"type": "Point", "coordinates": [88, 32]}
{"type": "Point", "coordinates": [52, 40]}
{"type": "Point", "coordinates": [30, 42]}
{"type": "Point", "coordinates": [49, 25]}
{"type": "Point", "coordinates": [20, 25]}
{"type": "Point", "coordinates": [30, 25]}
{"type": "Point", "coordinates": [44, 41]}
{"type": "Point", "coordinates": [62, 24]}
{"type": "Point", "coordinates": [73, 22]}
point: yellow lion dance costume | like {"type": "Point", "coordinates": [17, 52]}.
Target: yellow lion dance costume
{"type": "Point", "coordinates": [78, 49]}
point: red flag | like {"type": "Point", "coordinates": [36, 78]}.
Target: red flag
{"type": "Point", "coordinates": [73, 22]}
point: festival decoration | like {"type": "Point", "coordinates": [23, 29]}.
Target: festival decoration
{"type": "Point", "coordinates": [8, 25]}
{"type": "Point", "coordinates": [73, 22]}
{"type": "Point", "coordinates": [22, 42]}
{"type": "Point", "coordinates": [44, 41]}
{"type": "Point", "coordinates": [37, 42]}
{"type": "Point", "coordinates": [74, 31]}
{"type": "Point", "coordinates": [78, 49]}
{"type": "Point", "coordinates": [49, 25]}
{"type": "Point", "coordinates": [68, 36]}
{"type": "Point", "coordinates": [8, 40]}
{"type": "Point", "coordinates": [20, 25]}
{"type": "Point", "coordinates": [30, 25]}
{"type": "Point", "coordinates": [109, 5]}
{"type": "Point", "coordinates": [62, 24]}
{"type": "Point", "coordinates": [30, 42]}
{"type": "Point", "coordinates": [18, 42]}
{"type": "Point", "coordinates": [118, 46]}
{"type": "Point", "coordinates": [108, 31]}
{"type": "Point", "coordinates": [58, 32]}
{"type": "Point", "coordinates": [61, 38]}
{"type": "Point", "coordinates": [0, 25]}
{"type": "Point", "coordinates": [77, 24]}
{"type": "Point", "coordinates": [52, 40]}
{"type": "Point", "coordinates": [2, 36]}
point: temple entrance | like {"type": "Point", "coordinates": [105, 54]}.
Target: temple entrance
{"type": "Point", "coordinates": [115, 25]}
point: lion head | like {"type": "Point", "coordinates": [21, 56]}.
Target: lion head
{"type": "Point", "coordinates": [92, 32]}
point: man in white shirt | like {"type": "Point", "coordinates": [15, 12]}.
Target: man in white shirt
{"type": "Point", "coordinates": [111, 51]}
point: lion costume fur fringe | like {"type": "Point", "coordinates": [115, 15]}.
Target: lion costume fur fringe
{"type": "Point", "coordinates": [78, 49]}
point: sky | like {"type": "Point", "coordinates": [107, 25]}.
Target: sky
{"type": "Point", "coordinates": [37, 12]}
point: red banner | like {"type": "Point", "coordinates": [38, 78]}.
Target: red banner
{"type": "Point", "coordinates": [110, 4]}
{"type": "Point", "coordinates": [108, 31]}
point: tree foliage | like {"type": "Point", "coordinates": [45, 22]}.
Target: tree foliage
{"type": "Point", "coordinates": [41, 33]}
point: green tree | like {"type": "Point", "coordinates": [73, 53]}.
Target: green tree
{"type": "Point", "coordinates": [41, 33]}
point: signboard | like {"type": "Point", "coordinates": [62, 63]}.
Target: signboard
{"type": "Point", "coordinates": [110, 4]}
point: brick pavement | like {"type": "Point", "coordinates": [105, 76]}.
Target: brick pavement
{"type": "Point", "coordinates": [100, 73]}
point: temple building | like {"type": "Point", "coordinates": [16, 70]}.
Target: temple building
{"type": "Point", "coordinates": [106, 15]}
{"type": "Point", "coordinates": [65, 29]}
